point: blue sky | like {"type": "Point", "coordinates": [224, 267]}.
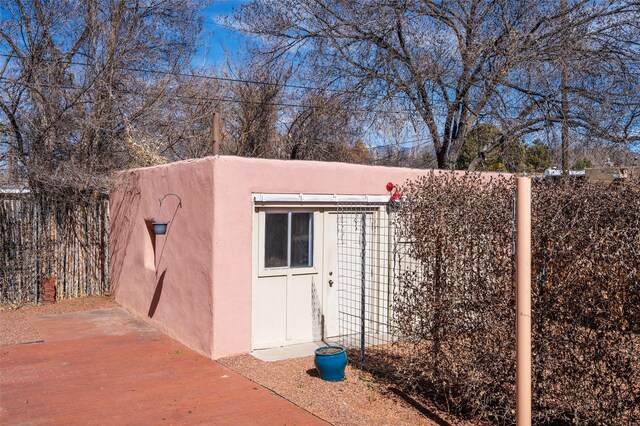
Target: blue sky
{"type": "Point", "coordinates": [217, 36]}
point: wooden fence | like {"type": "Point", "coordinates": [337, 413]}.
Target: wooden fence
{"type": "Point", "coordinates": [40, 239]}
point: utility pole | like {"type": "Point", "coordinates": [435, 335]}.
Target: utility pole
{"type": "Point", "coordinates": [215, 133]}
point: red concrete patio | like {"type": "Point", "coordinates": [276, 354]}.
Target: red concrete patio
{"type": "Point", "coordinates": [105, 367]}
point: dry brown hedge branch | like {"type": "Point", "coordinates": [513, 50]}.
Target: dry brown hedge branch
{"type": "Point", "coordinates": [586, 261]}
{"type": "Point", "coordinates": [455, 315]}
{"type": "Point", "coordinates": [453, 310]}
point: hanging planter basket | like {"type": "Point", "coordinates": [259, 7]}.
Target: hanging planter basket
{"type": "Point", "coordinates": [160, 228]}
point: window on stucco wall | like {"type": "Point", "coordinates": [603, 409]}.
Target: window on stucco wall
{"type": "Point", "coordinates": [288, 240]}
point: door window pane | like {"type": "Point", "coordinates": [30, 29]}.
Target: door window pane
{"type": "Point", "coordinates": [275, 246]}
{"type": "Point", "coordinates": [301, 240]}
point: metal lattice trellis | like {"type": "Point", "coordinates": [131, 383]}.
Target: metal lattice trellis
{"type": "Point", "coordinates": [371, 255]}
{"type": "Point", "coordinates": [374, 260]}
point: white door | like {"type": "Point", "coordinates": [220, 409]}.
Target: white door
{"type": "Point", "coordinates": [331, 276]}
{"type": "Point", "coordinates": [287, 286]}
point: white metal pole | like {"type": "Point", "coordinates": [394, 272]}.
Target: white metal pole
{"type": "Point", "coordinates": [523, 301]}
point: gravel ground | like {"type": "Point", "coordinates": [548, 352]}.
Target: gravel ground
{"type": "Point", "coordinates": [358, 400]}
{"type": "Point", "coordinates": [15, 326]}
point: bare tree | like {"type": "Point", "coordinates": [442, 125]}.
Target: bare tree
{"type": "Point", "coordinates": [181, 128]}
{"type": "Point", "coordinates": [460, 63]}
{"type": "Point", "coordinates": [252, 118]}
{"type": "Point", "coordinates": [78, 76]}
{"type": "Point", "coordinates": [323, 128]}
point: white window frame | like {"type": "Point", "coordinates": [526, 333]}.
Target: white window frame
{"type": "Point", "coordinates": [264, 271]}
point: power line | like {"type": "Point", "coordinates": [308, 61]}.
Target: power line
{"type": "Point", "coordinates": [217, 99]}
{"type": "Point", "coordinates": [231, 79]}
{"type": "Point", "coordinates": [400, 144]}
{"type": "Point", "coordinates": [238, 101]}
{"type": "Point", "coordinates": [203, 76]}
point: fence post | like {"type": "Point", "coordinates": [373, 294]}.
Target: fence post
{"type": "Point", "coordinates": [36, 274]}
{"type": "Point", "coordinates": [523, 301]}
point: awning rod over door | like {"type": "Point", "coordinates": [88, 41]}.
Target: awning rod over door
{"type": "Point", "coordinates": [319, 198]}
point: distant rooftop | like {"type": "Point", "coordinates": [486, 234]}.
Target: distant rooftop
{"type": "Point", "coordinates": [14, 189]}
{"type": "Point", "coordinates": [553, 172]}
{"type": "Point", "coordinates": [601, 174]}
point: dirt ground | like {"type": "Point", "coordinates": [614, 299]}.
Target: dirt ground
{"type": "Point", "coordinates": [358, 400]}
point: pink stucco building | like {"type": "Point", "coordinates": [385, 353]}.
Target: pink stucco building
{"type": "Point", "coordinates": [246, 255]}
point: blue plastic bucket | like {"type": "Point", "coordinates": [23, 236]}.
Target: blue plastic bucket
{"type": "Point", "coordinates": [331, 362]}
